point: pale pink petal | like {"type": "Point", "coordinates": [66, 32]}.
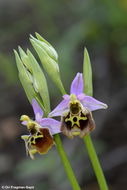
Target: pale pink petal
{"type": "Point", "coordinates": [62, 107]}
{"type": "Point", "coordinates": [37, 110]}
{"type": "Point", "coordinates": [52, 124]}
{"type": "Point", "coordinates": [38, 117]}
{"type": "Point", "coordinates": [24, 123]}
{"type": "Point", "coordinates": [66, 97]}
{"type": "Point", "coordinates": [77, 85]}
{"type": "Point", "coordinates": [92, 104]}
{"type": "Point", "coordinates": [81, 96]}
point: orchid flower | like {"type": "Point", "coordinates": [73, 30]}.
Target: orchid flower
{"type": "Point", "coordinates": [41, 131]}
{"type": "Point", "coordinates": [75, 110]}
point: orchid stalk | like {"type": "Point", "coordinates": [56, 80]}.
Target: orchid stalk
{"type": "Point", "coordinates": [44, 132]}
{"type": "Point", "coordinates": [75, 110]}
{"type": "Point", "coordinates": [66, 163]}
{"type": "Point", "coordinates": [87, 73]}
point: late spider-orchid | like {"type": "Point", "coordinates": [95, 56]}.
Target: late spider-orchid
{"type": "Point", "coordinates": [75, 110]}
{"type": "Point", "coordinates": [41, 131]}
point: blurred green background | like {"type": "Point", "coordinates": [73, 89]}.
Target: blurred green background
{"type": "Point", "coordinates": [99, 25]}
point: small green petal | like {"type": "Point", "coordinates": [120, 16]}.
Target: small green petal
{"type": "Point", "coordinates": [87, 74]}
{"type": "Point", "coordinates": [73, 97]}
{"type": "Point", "coordinates": [24, 118]}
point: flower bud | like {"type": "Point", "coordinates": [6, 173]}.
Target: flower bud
{"type": "Point", "coordinates": [25, 78]}
{"type": "Point", "coordinates": [49, 59]}
{"type": "Point", "coordinates": [47, 46]}
{"type": "Point", "coordinates": [39, 81]}
{"type": "Point", "coordinates": [36, 78]}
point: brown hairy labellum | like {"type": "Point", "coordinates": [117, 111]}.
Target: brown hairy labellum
{"type": "Point", "coordinates": [78, 121]}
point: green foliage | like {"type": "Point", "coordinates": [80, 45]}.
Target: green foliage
{"type": "Point", "coordinates": [87, 74]}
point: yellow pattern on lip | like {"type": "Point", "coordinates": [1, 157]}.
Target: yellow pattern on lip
{"type": "Point", "coordinates": [36, 137]}
{"type": "Point", "coordinates": [76, 133]}
{"type": "Point", "coordinates": [78, 118]}
{"type": "Point", "coordinates": [39, 140]}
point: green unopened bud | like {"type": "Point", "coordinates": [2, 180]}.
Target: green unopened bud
{"type": "Point", "coordinates": [46, 46]}
{"type": "Point", "coordinates": [87, 74]}
{"type": "Point", "coordinates": [28, 79]}
{"type": "Point", "coordinates": [39, 81]}
{"type": "Point", "coordinates": [49, 59]}
{"type": "Point", "coordinates": [25, 78]}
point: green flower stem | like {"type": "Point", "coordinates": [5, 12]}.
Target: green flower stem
{"type": "Point", "coordinates": [94, 159]}
{"type": "Point", "coordinates": [66, 163]}
{"type": "Point", "coordinates": [64, 158]}
{"type": "Point", "coordinates": [95, 163]}
{"type": "Point", "coordinates": [87, 74]}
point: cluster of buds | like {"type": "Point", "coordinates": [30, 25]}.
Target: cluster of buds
{"type": "Point", "coordinates": [75, 110]}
